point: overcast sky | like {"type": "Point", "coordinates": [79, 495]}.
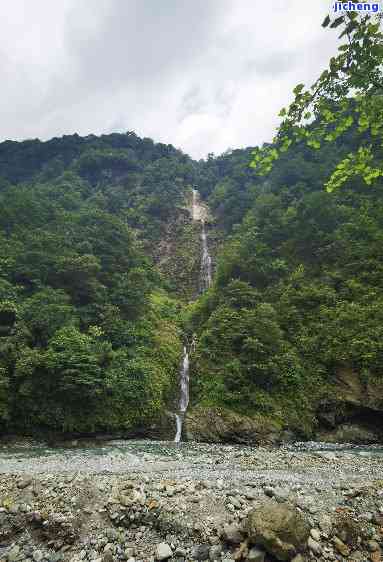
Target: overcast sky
{"type": "Point", "coordinates": [204, 75]}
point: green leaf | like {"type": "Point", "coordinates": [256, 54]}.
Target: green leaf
{"type": "Point", "coordinates": [337, 22]}
{"type": "Point", "coordinates": [297, 90]}
{"type": "Point", "coordinates": [326, 21]}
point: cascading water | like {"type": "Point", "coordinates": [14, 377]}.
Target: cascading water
{"type": "Point", "coordinates": [184, 393]}
{"type": "Point", "coordinates": [205, 275]}
{"type": "Point", "coordinates": [198, 214]}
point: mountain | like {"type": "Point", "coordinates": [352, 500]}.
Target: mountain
{"type": "Point", "coordinates": [99, 289]}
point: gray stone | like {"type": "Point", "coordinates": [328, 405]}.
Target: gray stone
{"type": "Point", "coordinates": [314, 546]}
{"type": "Point", "coordinates": [256, 555]}
{"type": "Point", "coordinates": [38, 556]}
{"type": "Point", "coordinates": [357, 556]}
{"type": "Point", "coordinates": [111, 534]}
{"type": "Point", "coordinates": [14, 553]}
{"type": "Point", "coordinates": [269, 491]}
{"type": "Point", "coordinates": [180, 552]}
{"type": "Point", "coordinates": [281, 494]}
{"type": "Point", "coordinates": [325, 524]}
{"type": "Point", "coordinates": [341, 547]}
{"type": "Point", "coordinates": [200, 552]}
{"type": "Point", "coordinates": [236, 503]}
{"type": "Point", "coordinates": [373, 546]}
{"type": "Point", "coordinates": [215, 552]}
{"type": "Point", "coordinates": [232, 534]}
{"type": "Point", "coordinates": [163, 551]}
{"type": "Point", "coordinates": [24, 483]}
{"type": "Point", "coordinates": [315, 534]}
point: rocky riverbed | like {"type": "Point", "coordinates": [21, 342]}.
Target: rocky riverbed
{"type": "Point", "coordinates": [146, 501]}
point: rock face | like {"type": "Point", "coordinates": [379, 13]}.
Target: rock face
{"type": "Point", "coordinates": [351, 413]}
{"type": "Point", "coordinates": [217, 426]}
{"type": "Point", "coordinates": [355, 414]}
{"type": "Point", "coordinates": [279, 529]}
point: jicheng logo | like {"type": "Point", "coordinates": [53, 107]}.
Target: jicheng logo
{"type": "Point", "coordinates": [356, 7]}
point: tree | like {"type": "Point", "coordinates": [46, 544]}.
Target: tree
{"type": "Point", "coordinates": [349, 94]}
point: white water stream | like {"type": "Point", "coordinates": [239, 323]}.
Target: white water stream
{"type": "Point", "coordinates": [184, 394]}
{"type": "Point", "coordinates": [205, 274]}
{"type": "Point", "coordinates": [199, 213]}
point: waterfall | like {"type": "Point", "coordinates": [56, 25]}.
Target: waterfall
{"type": "Point", "coordinates": [205, 275]}
{"type": "Point", "coordinates": [177, 438]}
{"type": "Point", "coordinates": [195, 205]}
{"type": "Point", "coordinates": [184, 393]}
{"type": "Point", "coordinates": [198, 213]}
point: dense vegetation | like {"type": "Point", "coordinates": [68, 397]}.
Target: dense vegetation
{"type": "Point", "coordinates": [91, 331]}
{"type": "Point", "coordinates": [89, 338]}
{"type": "Point", "coordinates": [298, 291]}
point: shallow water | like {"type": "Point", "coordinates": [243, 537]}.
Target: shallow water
{"type": "Point", "coordinates": [165, 449]}
{"type": "Point", "coordinates": [317, 446]}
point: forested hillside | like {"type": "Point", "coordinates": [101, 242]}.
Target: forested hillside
{"type": "Point", "coordinates": [297, 298]}
{"type": "Point", "coordinates": [91, 331]}
{"type": "Point", "coordinates": [89, 337]}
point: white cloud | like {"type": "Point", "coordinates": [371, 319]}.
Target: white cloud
{"type": "Point", "coordinates": [203, 75]}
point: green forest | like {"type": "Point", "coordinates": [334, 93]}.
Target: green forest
{"type": "Point", "coordinates": [99, 268]}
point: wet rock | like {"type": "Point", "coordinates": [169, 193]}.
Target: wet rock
{"type": "Point", "coordinates": [163, 551]}
{"type": "Point", "coordinates": [279, 528]}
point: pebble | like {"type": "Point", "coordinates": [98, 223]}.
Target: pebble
{"type": "Point", "coordinates": [373, 546]}
{"type": "Point", "coordinates": [314, 546]}
{"type": "Point", "coordinates": [315, 534]}
{"type": "Point", "coordinates": [200, 552]}
{"type": "Point", "coordinates": [341, 547]}
{"type": "Point", "coordinates": [215, 552]}
{"type": "Point", "coordinates": [256, 555]}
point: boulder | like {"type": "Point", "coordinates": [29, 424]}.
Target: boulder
{"type": "Point", "coordinates": [279, 528]}
{"type": "Point", "coordinates": [163, 551]}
